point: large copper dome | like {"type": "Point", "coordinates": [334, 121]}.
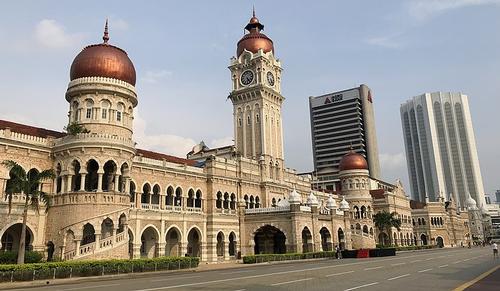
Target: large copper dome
{"type": "Point", "coordinates": [353, 161]}
{"type": "Point", "coordinates": [103, 60]}
{"type": "Point", "coordinates": [254, 40]}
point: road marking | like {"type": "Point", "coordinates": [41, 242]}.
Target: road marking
{"type": "Point", "coordinates": [428, 259]}
{"type": "Point", "coordinates": [457, 262]}
{"type": "Point", "coordinates": [398, 264]}
{"type": "Point", "coordinates": [415, 261]}
{"type": "Point", "coordinates": [394, 278]}
{"type": "Point", "coordinates": [91, 287]}
{"type": "Point", "coordinates": [240, 290]}
{"type": "Point", "coordinates": [293, 281]}
{"type": "Point", "coordinates": [272, 274]}
{"type": "Point", "coordinates": [373, 268]}
{"type": "Point", "coordinates": [443, 266]}
{"type": "Point", "coordinates": [337, 274]}
{"type": "Point", "coordinates": [174, 278]}
{"type": "Point", "coordinates": [236, 272]}
{"type": "Point", "coordinates": [366, 285]}
{"type": "Point", "coordinates": [475, 280]}
{"type": "Point", "coordinates": [467, 259]}
{"type": "Point", "coordinates": [421, 271]}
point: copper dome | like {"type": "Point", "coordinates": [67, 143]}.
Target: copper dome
{"type": "Point", "coordinates": [254, 40]}
{"type": "Point", "coordinates": [103, 60]}
{"type": "Point", "coordinates": [353, 161]}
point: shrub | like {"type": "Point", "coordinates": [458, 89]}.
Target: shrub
{"type": "Point", "coordinates": [49, 270]}
{"type": "Point", "coordinates": [9, 257]}
{"type": "Point", "coordinates": [252, 259]}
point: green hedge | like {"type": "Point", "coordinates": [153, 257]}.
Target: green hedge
{"type": "Point", "coordinates": [252, 259]}
{"type": "Point", "coordinates": [410, 248]}
{"type": "Point", "coordinates": [8, 257]}
{"type": "Point", "coordinates": [51, 270]}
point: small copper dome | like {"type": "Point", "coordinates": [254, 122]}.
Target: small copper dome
{"type": "Point", "coordinates": [103, 60]}
{"type": "Point", "coordinates": [353, 161]}
{"type": "Point", "coordinates": [254, 40]}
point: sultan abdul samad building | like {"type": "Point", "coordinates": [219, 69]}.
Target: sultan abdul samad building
{"type": "Point", "coordinates": [113, 200]}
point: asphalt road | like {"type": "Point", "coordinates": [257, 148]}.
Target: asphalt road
{"type": "Point", "coordinates": [443, 269]}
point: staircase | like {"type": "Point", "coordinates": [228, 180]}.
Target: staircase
{"type": "Point", "coordinates": [97, 247]}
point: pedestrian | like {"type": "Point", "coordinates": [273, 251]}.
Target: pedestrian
{"type": "Point", "coordinates": [494, 246]}
{"type": "Point", "coordinates": [338, 252]}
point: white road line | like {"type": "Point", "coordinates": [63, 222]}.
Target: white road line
{"type": "Point", "coordinates": [91, 287]}
{"type": "Point", "coordinates": [366, 285]}
{"type": "Point", "coordinates": [398, 264]}
{"type": "Point", "coordinates": [373, 268]}
{"type": "Point", "coordinates": [422, 271]}
{"type": "Point", "coordinates": [237, 272]}
{"type": "Point", "coordinates": [415, 261]}
{"type": "Point", "coordinates": [443, 266]}
{"type": "Point", "coordinates": [174, 278]}
{"type": "Point", "coordinates": [467, 259]}
{"type": "Point", "coordinates": [457, 262]}
{"type": "Point", "coordinates": [337, 274]}
{"type": "Point", "coordinates": [428, 259]}
{"type": "Point", "coordinates": [394, 278]}
{"type": "Point", "coordinates": [271, 274]}
{"type": "Point", "coordinates": [289, 282]}
{"type": "Point", "coordinates": [240, 290]}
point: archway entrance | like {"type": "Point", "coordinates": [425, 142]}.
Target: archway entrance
{"type": "Point", "coordinates": [232, 244]}
{"type": "Point", "coordinates": [173, 238]}
{"type": "Point", "coordinates": [193, 248]}
{"type": "Point", "coordinates": [440, 242]}
{"type": "Point", "coordinates": [50, 251]}
{"type": "Point", "coordinates": [307, 244]}
{"type": "Point", "coordinates": [341, 236]}
{"type": "Point", "coordinates": [269, 240]}
{"type": "Point", "coordinates": [88, 234]}
{"type": "Point", "coordinates": [326, 239]}
{"type": "Point", "coordinates": [220, 245]}
{"type": "Point", "coordinates": [149, 241]}
{"type": "Point", "coordinates": [423, 239]}
{"type": "Point", "coordinates": [11, 237]}
{"type": "Point", "coordinates": [130, 244]}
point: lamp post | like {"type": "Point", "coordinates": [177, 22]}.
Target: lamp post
{"type": "Point", "coordinates": [344, 206]}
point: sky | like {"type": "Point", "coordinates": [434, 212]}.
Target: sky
{"type": "Point", "coordinates": [181, 51]}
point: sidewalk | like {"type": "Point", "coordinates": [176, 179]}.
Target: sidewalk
{"type": "Point", "coordinates": [490, 282]}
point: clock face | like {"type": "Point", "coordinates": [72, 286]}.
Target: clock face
{"type": "Point", "coordinates": [270, 78]}
{"type": "Point", "coordinates": [246, 77]}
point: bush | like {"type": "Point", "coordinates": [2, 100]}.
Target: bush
{"type": "Point", "coordinates": [50, 270]}
{"type": "Point", "coordinates": [252, 259]}
{"type": "Point", "coordinates": [9, 257]}
{"type": "Point", "coordinates": [410, 248]}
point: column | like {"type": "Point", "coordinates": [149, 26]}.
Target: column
{"type": "Point", "coordinates": [127, 185]}
{"type": "Point", "coordinates": [83, 175]}
{"type": "Point", "coordinates": [136, 249]}
{"type": "Point", "coordinates": [226, 249]}
{"type": "Point", "coordinates": [137, 200]}
{"type": "Point", "coordinates": [69, 178]}
{"type": "Point", "coordinates": [54, 190]}
{"type": "Point", "coordinates": [162, 201]}
{"type": "Point", "coordinates": [97, 238]}
{"type": "Point", "coordinates": [117, 182]}
{"type": "Point", "coordinates": [63, 184]}
{"type": "Point", "coordinates": [77, 250]}
{"type": "Point", "coordinates": [99, 182]}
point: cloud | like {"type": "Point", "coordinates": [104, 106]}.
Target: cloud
{"type": "Point", "coordinates": [117, 23]}
{"type": "Point", "coordinates": [220, 142]}
{"type": "Point", "coordinates": [165, 143]}
{"type": "Point", "coordinates": [49, 33]}
{"type": "Point", "coordinates": [385, 41]}
{"type": "Point", "coordinates": [392, 162]}
{"type": "Point", "coordinates": [424, 9]}
{"type": "Point", "coordinates": [153, 77]}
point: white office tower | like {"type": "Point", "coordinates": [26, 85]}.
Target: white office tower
{"type": "Point", "coordinates": [441, 149]}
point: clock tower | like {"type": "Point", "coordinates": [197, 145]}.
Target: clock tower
{"type": "Point", "coordinates": [257, 99]}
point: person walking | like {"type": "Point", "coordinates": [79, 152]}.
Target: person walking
{"type": "Point", "coordinates": [494, 246]}
{"type": "Point", "coordinates": [338, 252]}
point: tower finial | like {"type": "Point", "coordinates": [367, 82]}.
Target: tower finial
{"type": "Point", "coordinates": [106, 34]}
{"type": "Point", "coordinates": [253, 10]}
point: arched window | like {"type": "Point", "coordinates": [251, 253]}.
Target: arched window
{"type": "Point", "coordinates": [178, 197]}
{"type": "Point", "coordinates": [273, 202]}
{"type": "Point", "coordinates": [257, 202]}
{"type": "Point", "coordinates": [105, 105]}
{"type": "Point", "coordinates": [233, 201]}
{"type": "Point", "coordinates": [246, 201]}
{"type": "Point", "coordinates": [248, 120]}
{"type": "Point", "coordinates": [89, 104]}
{"type": "Point", "coordinates": [226, 200]}
{"type": "Point", "coordinates": [197, 202]}
{"type": "Point", "coordinates": [132, 191]}
{"type": "Point", "coordinates": [119, 112]}
{"type": "Point", "coordinates": [146, 189]}
{"type": "Point", "coordinates": [170, 196]}
{"type": "Point", "coordinates": [190, 199]}
{"type": "Point", "coordinates": [218, 202]}
{"type": "Point", "coordinates": [252, 202]}
{"type": "Point", "coordinates": [257, 119]}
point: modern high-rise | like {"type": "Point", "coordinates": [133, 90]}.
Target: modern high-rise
{"type": "Point", "coordinates": [497, 196]}
{"type": "Point", "coordinates": [441, 148]}
{"type": "Point", "coordinates": [340, 121]}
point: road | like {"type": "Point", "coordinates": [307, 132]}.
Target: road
{"type": "Point", "coordinates": [443, 269]}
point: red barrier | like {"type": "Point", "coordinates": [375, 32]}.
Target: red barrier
{"type": "Point", "coordinates": [363, 253]}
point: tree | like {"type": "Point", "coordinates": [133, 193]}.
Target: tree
{"type": "Point", "coordinates": [385, 221]}
{"type": "Point", "coordinates": [75, 128]}
{"type": "Point", "coordinates": [28, 185]}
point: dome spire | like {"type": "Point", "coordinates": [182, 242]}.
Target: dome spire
{"type": "Point", "coordinates": [105, 37]}
{"type": "Point", "coordinates": [253, 10]}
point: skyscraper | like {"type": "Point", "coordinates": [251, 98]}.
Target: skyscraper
{"type": "Point", "coordinates": [339, 121]}
{"type": "Point", "coordinates": [441, 148]}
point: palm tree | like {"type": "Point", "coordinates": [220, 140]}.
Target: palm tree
{"type": "Point", "coordinates": [385, 221]}
{"type": "Point", "coordinates": [27, 184]}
